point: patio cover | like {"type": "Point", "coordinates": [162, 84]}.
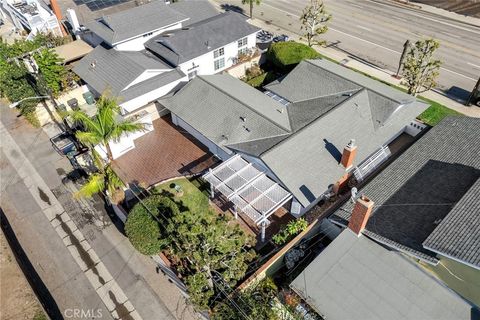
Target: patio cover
{"type": "Point", "coordinates": [73, 50]}
{"type": "Point", "coordinates": [248, 188]}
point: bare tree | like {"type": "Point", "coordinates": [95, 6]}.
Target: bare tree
{"type": "Point", "coordinates": [314, 19]}
{"type": "Point", "coordinates": [421, 68]}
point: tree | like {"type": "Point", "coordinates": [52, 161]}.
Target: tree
{"type": "Point", "coordinates": [251, 3]}
{"type": "Point", "coordinates": [314, 18]}
{"type": "Point", "coordinates": [420, 68]}
{"type": "Point", "coordinates": [286, 55]}
{"type": "Point", "coordinates": [143, 230]}
{"type": "Point", "coordinates": [208, 245]}
{"type": "Point", "coordinates": [52, 69]}
{"type": "Point", "coordinates": [100, 130]}
{"type": "Point", "coordinates": [256, 301]}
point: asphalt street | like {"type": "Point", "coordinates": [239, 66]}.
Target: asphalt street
{"type": "Point", "coordinates": [375, 31]}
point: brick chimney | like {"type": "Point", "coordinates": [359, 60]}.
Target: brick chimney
{"type": "Point", "coordinates": [360, 214]}
{"type": "Point", "coordinates": [58, 13]}
{"type": "Point", "coordinates": [348, 155]}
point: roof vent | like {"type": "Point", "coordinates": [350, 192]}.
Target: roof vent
{"type": "Point", "coordinates": [207, 44]}
{"type": "Point", "coordinates": [244, 119]}
{"type": "Point", "coordinates": [93, 64]}
{"type": "Point", "coordinates": [348, 94]}
{"type": "Point", "coordinates": [246, 129]}
{"type": "Point", "coordinates": [280, 110]}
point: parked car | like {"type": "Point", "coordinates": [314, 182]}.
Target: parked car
{"type": "Point", "coordinates": [281, 38]}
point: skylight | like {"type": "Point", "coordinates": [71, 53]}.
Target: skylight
{"type": "Point", "coordinates": [277, 98]}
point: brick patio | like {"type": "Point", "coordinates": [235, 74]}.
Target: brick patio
{"type": "Point", "coordinates": [166, 152]}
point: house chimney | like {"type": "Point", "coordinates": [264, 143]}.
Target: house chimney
{"type": "Point", "coordinates": [58, 13]}
{"type": "Point", "coordinates": [348, 155]}
{"type": "Point", "coordinates": [360, 214]}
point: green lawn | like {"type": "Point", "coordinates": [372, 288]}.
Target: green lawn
{"type": "Point", "coordinates": [195, 194]}
{"type": "Point", "coordinates": [286, 55]}
{"type": "Point", "coordinates": [436, 112]}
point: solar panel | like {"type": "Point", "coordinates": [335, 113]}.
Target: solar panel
{"type": "Point", "coordinates": [95, 5]}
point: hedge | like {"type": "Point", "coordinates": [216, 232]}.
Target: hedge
{"type": "Point", "coordinates": [286, 55]}
{"type": "Point", "coordinates": [142, 229]}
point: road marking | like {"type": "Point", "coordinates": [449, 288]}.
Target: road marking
{"type": "Point", "coordinates": [364, 28]}
{"type": "Point", "coordinates": [474, 65]}
{"type": "Point", "coordinates": [370, 42]}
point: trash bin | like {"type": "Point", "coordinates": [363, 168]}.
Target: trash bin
{"type": "Point", "coordinates": [88, 96]}
{"type": "Point", "coordinates": [73, 103]}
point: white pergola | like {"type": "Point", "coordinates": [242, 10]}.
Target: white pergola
{"type": "Point", "coordinates": [248, 188]}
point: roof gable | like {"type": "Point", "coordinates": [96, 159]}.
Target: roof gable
{"type": "Point", "coordinates": [182, 45]}
{"type": "Point", "coordinates": [134, 22]}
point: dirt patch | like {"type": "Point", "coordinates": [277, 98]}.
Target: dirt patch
{"type": "Point", "coordinates": [17, 300]}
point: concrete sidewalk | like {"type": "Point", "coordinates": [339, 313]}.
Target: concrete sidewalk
{"type": "Point", "coordinates": [374, 71]}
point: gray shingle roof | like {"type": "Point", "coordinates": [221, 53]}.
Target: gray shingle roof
{"type": "Point", "coordinates": [319, 77]}
{"type": "Point", "coordinates": [414, 194]}
{"type": "Point", "coordinates": [458, 235]}
{"type": "Point", "coordinates": [179, 46]}
{"type": "Point", "coordinates": [196, 10]}
{"type": "Point", "coordinates": [308, 161]}
{"type": "Point", "coordinates": [355, 278]}
{"type": "Point", "coordinates": [133, 22]}
{"type": "Point", "coordinates": [115, 70]}
{"type": "Point", "coordinates": [210, 104]}
{"type": "Point", "coordinates": [301, 155]}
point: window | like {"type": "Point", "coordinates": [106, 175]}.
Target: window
{"type": "Point", "coordinates": [242, 42]}
{"type": "Point", "coordinates": [192, 74]}
{"type": "Point", "coordinates": [242, 51]}
{"type": "Point", "coordinates": [218, 53]}
{"type": "Point", "coordinates": [219, 63]}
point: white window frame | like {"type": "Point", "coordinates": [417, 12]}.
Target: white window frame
{"type": "Point", "coordinates": [221, 63]}
{"type": "Point", "coordinates": [220, 52]}
{"type": "Point", "coordinates": [242, 42]}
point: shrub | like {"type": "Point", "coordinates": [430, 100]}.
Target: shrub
{"type": "Point", "coordinates": [293, 228]}
{"type": "Point", "coordinates": [142, 229]}
{"type": "Point", "coordinates": [286, 55]}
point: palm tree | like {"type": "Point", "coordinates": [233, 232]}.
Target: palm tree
{"type": "Point", "coordinates": [251, 2]}
{"type": "Point", "coordinates": [101, 129]}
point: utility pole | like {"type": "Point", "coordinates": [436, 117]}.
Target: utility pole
{"type": "Point", "coordinates": [406, 45]}
{"type": "Point", "coordinates": [475, 93]}
{"type": "Point", "coordinates": [40, 79]}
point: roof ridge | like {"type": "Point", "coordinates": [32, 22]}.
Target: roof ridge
{"type": "Point", "coordinates": [327, 95]}
{"type": "Point", "coordinates": [310, 124]}
{"type": "Point", "coordinates": [241, 102]}
{"type": "Point", "coordinates": [252, 140]}
{"type": "Point", "coordinates": [310, 61]}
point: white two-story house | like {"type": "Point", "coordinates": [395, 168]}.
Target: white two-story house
{"type": "Point", "coordinates": [144, 53]}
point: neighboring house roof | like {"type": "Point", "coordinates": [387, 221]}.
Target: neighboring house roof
{"type": "Point", "coordinates": [458, 235]}
{"type": "Point", "coordinates": [73, 50]}
{"type": "Point", "coordinates": [182, 45]}
{"type": "Point", "coordinates": [108, 69]}
{"type": "Point", "coordinates": [134, 22]}
{"type": "Point", "coordinates": [196, 10]}
{"type": "Point", "coordinates": [429, 195]}
{"type": "Point", "coordinates": [302, 155]}
{"type": "Point", "coordinates": [356, 278]}
{"type": "Point", "coordinates": [226, 112]}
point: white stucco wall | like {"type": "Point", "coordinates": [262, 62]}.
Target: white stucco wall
{"type": "Point", "coordinates": [136, 43]}
{"type": "Point", "coordinates": [134, 104]}
{"type": "Point", "coordinates": [205, 62]}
